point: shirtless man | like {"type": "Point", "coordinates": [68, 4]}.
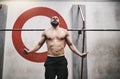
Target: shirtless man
{"type": "Point", "coordinates": [55, 38]}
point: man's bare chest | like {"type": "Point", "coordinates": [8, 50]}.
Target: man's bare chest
{"type": "Point", "coordinates": [55, 36]}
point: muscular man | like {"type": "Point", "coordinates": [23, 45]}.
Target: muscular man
{"type": "Point", "coordinates": [55, 38]}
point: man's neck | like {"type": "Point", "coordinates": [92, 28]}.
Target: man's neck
{"type": "Point", "coordinates": [57, 27]}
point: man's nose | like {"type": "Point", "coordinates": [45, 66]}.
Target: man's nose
{"type": "Point", "coordinates": [54, 19]}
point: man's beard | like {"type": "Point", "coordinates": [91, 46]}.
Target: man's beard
{"type": "Point", "coordinates": [54, 23]}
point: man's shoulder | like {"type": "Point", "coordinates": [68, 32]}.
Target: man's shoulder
{"type": "Point", "coordinates": [46, 30]}
{"type": "Point", "coordinates": [63, 29]}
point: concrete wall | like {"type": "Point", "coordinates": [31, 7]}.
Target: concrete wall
{"type": "Point", "coordinates": [15, 65]}
{"type": "Point", "coordinates": [77, 23]}
{"type": "Point", "coordinates": [68, 0]}
{"type": "Point", "coordinates": [3, 14]}
{"type": "Point", "coordinates": [103, 47]}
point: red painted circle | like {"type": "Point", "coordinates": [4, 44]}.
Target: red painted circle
{"type": "Point", "coordinates": [16, 35]}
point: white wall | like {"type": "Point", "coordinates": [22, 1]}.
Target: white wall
{"type": "Point", "coordinates": [103, 47]}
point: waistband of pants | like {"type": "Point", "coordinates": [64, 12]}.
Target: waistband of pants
{"type": "Point", "coordinates": [55, 57]}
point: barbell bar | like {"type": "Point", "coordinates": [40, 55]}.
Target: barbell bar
{"type": "Point", "coordinates": [67, 29]}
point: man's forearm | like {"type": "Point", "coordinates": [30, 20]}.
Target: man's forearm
{"type": "Point", "coordinates": [35, 49]}
{"type": "Point", "coordinates": [74, 50]}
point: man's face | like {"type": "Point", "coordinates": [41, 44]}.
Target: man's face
{"type": "Point", "coordinates": [54, 21]}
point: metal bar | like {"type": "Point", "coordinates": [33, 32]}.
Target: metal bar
{"type": "Point", "coordinates": [101, 29]}
{"type": "Point", "coordinates": [83, 39]}
{"type": "Point", "coordinates": [22, 29]}
{"type": "Point", "coordinates": [67, 29]}
{"type": "Point", "coordinates": [79, 8]}
{"type": "Point", "coordinates": [83, 49]}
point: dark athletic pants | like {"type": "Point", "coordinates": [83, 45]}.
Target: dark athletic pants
{"type": "Point", "coordinates": [56, 66]}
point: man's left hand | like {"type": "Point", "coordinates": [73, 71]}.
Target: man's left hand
{"type": "Point", "coordinates": [84, 55]}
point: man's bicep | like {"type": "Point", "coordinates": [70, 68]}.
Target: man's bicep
{"type": "Point", "coordinates": [68, 40]}
{"type": "Point", "coordinates": [42, 40]}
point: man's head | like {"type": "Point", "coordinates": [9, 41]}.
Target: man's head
{"type": "Point", "coordinates": [55, 21]}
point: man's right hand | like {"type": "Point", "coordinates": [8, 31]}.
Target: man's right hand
{"type": "Point", "coordinates": [25, 51]}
